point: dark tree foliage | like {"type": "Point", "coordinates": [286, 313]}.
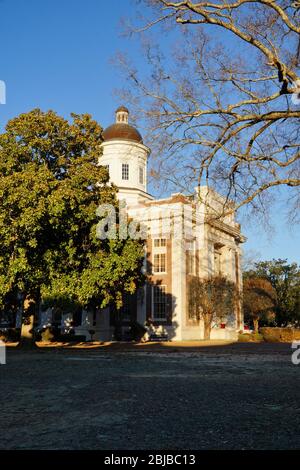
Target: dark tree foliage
{"type": "Point", "coordinates": [50, 188]}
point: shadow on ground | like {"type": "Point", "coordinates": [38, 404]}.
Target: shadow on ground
{"type": "Point", "coordinates": [202, 347]}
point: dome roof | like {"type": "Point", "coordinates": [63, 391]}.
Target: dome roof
{"type": "Point", "coordinates": [122, 108]}
{"type": "Point", "coordinates": [121, 130]}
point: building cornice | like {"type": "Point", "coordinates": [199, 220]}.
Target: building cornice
{"type": "Point", "coordinates": [132, 143]}
{"type": "Point", "coordinates": [227, 228]}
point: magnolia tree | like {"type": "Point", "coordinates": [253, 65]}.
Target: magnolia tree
{"type": "Point", "coordinates": [211, 299]}
{"type": "Point", "coordinates": [219, 94]}
{"type": "Point", "coordinates": [50, 188]}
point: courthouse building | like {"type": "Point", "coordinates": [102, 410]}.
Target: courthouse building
{"type": "Point", "coordinates": [184, 239]}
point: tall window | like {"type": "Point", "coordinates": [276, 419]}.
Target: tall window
{"type": "Point", "coordinates": [191, 258]}
{"type": "Point", "coordinates": [159, 264]}
{"type": "Point", "coordinates": [141, 175]}
{"type": "Point", "coordinates": [218, 265]}
{"type": "Point", "coordinates": [159, 255]}
{"type": "Point", "coordinates": [159, 304]}
{"type": "Point", "coordinates": [125, 171]}
{"type": "Point", "coordinates": [159, 242]}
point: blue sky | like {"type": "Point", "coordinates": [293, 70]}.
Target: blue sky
{"type": "Point", "coordinates": [56, 54]}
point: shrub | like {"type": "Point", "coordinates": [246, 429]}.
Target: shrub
{"type": "Point", "coordinates": [10, 334]}
{"type": "Point", "coordinates": [280, 335]}
{"type": "Point", "coordinates": [250, 338]}
{"type": "Point", "coordinates": [244, 338]}
{"type": "Point", "coordinates": [47, 335]}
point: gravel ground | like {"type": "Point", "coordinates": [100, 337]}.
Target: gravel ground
{"type": "Point", "coordinates": [240, 396]}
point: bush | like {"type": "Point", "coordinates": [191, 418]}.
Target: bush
{"type": "Point", "coordinates": [271, 339]}
{"type": "Point", "coordinates": [258, 337]}
{"type": "Point", "coordinates": [137, 330]}
{"type": "Point", "coordinates": [10, 334]}
{"type": "Point", "coordinates": [250, 338]}
{"type": "Point", "coordinates": [47, 335]}
{"type": "Point", "coordinates": [3, 336]}
{"type": "Point", "coordinates": [51, 334]}
{"type": "Point", "coordinates": [280, 335]}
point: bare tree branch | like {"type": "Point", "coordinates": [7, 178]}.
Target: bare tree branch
{"type": "Point", "coordinates": [218, 109]}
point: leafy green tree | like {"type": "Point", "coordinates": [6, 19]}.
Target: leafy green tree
{"type": "Point", "coordinates": [259, 300]}
{"type": "Point", "coordinates": [211, 299]}
{"type": "Point", "coordinates": [50, 187]}
{"type": "Point", "coordinates": [285, 279]}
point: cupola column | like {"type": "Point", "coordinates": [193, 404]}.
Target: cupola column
{"type": "Point", "coordinates": [122, 115]}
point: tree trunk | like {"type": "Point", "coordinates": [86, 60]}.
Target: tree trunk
{"type": "Point", "coordinates": [207, 328]}
{"type": "Point", "coordinates": [26, 339]}
{"type": "Point", "coordinates": [27, 336]}
{"type": "Point", "coordinates": [117, 322]}
{"type": "Point", "coordinates": [255, 324]}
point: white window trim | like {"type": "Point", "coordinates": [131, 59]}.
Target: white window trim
{"type": "Point", "coordinates": [153, 264]}
{"type": "Point", "coordinates": [159, 250]}
{"type": "Point", "coordinates": [162, 320]}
